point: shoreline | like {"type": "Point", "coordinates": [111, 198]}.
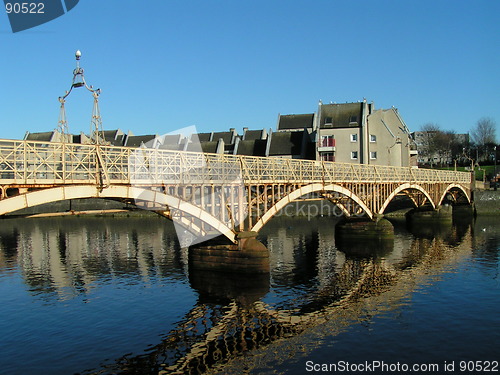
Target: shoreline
{"type": "Point", "coordinates": [487, 202]}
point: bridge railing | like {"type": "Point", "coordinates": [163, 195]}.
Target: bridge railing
{"type": "Point", "coordinates": [38, 163]}
{"type": "Point", "coordinates": [257, 169]}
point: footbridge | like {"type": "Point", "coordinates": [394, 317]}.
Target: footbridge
{"type": "Point", "coordinates": [209, 194]}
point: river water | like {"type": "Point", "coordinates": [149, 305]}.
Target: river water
{"type": "Point", "coordinates": [107, 295]}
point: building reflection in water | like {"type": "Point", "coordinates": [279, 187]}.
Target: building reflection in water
{"type": "Point", "coordinates": [64, 257]}
{"type": "Point", "coordinates": [313, 278]}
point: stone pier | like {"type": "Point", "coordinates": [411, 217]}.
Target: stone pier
{"type": "Point", "coordinates": [441, 213]}
{"type": "Point", "coordinates": [248, 255]}
{"type": "Point", "coordinates": [358, 228]}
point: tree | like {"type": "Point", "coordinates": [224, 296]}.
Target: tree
{"type": "Point", "coordinates": [484, 137]}
{"type": "Point", "coordinates": [484, 132]}
{"type": "Point", "coordinates": [426, 141]}
{"type": "Point", "coordinates": [459, 144]}
{"type": "Point", "coordinates": [438, 147]}
{"type": "Point", "coordinates": [435, 144]}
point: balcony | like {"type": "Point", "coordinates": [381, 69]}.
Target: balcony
{"type": "Point", "coordinates": [326, 149]}
{"type": "Point", "coordinates": [327, 144]}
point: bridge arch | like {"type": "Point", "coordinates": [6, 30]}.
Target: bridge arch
{"type": "Point", "coordinates": [311, 188]}
{"type": "Point", "coordinates": [36, 198]}
{"type": "Point", "coordinates": [451, 187]}
{"type": "Point", "coordinates": [399, 189]}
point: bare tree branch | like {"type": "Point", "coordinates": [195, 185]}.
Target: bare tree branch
{"type": "Point", "coordinates": [484, 131]}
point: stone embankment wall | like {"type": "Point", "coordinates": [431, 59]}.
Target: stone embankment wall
{"type": "Point", "coordinates": [487, 202]}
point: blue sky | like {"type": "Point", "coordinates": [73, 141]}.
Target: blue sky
{"type": "Point", "coordinates": [166, 64]}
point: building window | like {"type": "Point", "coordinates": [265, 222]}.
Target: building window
{"type": "Point", "coordinates": [373, 138]}
{"type": "Point", "coordinates": [353, 119]}
{"type": "Point", "coordinates": [328, 122]}
{"type": "Point", "coordinates": [327, 141]}
{"type": "Point", "coordinates": [354, 137]}
{"type": "Point", "coordinates": [373, 154]}
{"type": "Point", "coordinates": [354, 155]}
{"type": "Point", "coordinates": [327, 156]}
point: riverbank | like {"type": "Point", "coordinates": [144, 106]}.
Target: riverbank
{"type": "Point", "coordinates": [487, 202]}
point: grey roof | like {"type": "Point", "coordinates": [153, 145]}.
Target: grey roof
{"type": "Point", "coordinates": [111, 133]}
{"type": "Point", "coordinates": [171, 142]}
{"type": "Point", "coordinates": [254, 134]}
{"type": "Point", "coordinates": [341, 115]}
{"type": "Point", "coordinates": [193, 147]}
{"type": "Point", "coordinates": [120, 140]}
{"type": "Point", "coordinates": [253, 147]}
{"type": "Point", "coordinates": [171, 138]}
{"type": "Point", "coordinates": [246, 148]}
{"type": "Point", "coordinates": [227, 137]}
{"type": "Point", "coordinates": [296, 121]}
{"type": "Point", "coordinates": [42, 137]}
{"type": "Point", "coordinates": [204, 137]}
{"type": "Point", "coordinates": [115, 137]}
{"type": "Point", "coordinates": [287, 143]}
{"type": "Point", "coordinates": [210, 147]}
{"type": "Point", "coordinates": [137, 140]}
{"type": "Point", "coordinates": [172, 146]}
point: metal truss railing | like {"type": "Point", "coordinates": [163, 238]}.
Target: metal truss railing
{"type": "Point", "coordinates": [44, 163]}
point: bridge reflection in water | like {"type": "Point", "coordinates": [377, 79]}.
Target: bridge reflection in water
{"type": "Point", "coordinates": [313, 279]}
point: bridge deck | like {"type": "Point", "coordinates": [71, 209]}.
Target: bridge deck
{"type": "Point", "coordinates": [45, 163]}
{"type": "Point", "coordinates": [206, 192]}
